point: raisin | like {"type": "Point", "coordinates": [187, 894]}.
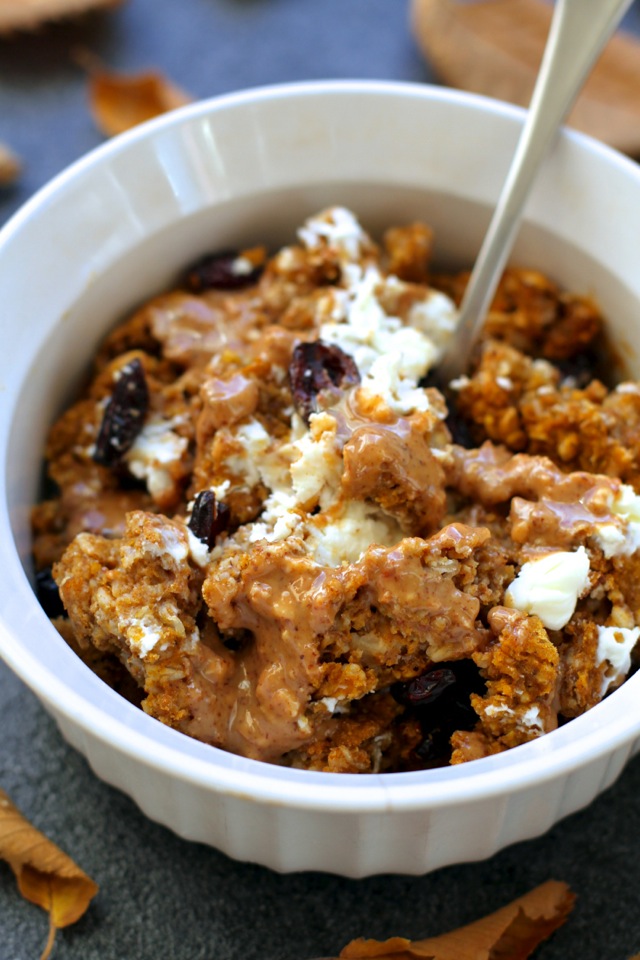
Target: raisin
{"type": "Point", "coordinates": [123, 415]}
{"type": "Point", "coordinates": [226, 270]}
{"type": "Point", "coordinates": [425, 689]}
{"type": "Point", "coordinates": [209, 517]}
{"type": "Point", "coordinates": [441, 700]}
{"type": "Point", "coordinates": [319, 368]}
{"type": "Point", "coordinates": [48, 594]}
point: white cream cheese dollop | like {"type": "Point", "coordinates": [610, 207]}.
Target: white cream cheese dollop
{"type": "Point", "coordinates": [344, 540]}
{"type": "Point", "coordinates": [549, 587]}
{"type": "Point", "coordinates": [530, 720]}
{"type": "Point", "coordinates": [624, 539]}
{"type": "Point", "coordinates": [154, 448]}
{"type": "Point", "coordinates": [615, 645]}
{"type": "Point", "coordinates": [391, 355]}
{"type": "Point", "coordinates": [337, 227]}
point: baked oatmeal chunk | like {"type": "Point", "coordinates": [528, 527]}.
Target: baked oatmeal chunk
{"type": "Point", "coordinates": [528, 404]}
{"type": "Point", "coordinates": [520, 665]}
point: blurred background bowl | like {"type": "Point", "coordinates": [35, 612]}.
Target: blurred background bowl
{"type": "Point", "coordinates": [119, 226]}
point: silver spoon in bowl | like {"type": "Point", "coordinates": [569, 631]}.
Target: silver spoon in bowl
{"type": "Point", "coordinates": [579, 30]}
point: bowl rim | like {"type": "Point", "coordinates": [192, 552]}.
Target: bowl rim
{"type": "Point", "coordinates": [516, 770]}
{"type": "Point", "coordinates": [270, 92]}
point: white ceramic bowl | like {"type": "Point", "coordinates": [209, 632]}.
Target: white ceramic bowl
{"type": "Point", "coordinates": [117, 227]}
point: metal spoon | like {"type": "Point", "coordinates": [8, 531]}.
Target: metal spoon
{"type": "Point", "coordinates": [579, 30]}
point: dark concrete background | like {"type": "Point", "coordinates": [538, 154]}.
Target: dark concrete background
{"type": "Point", "coordinates": [160, 896]}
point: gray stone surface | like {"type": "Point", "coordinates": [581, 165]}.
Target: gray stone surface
{"type": "Point", "coordinates": [161, 896]}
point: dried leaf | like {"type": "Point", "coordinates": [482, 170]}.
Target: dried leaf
{"type": "Point", "coordinates": [495, 47]}
{"type": "Point", "coordinates": [46, 876]}
{"type": "Point", "coordinates": [511, 933]}
{"type": "Point", "coordinates": [119, 102]}
{"type": "Point", "coordinates": [27, 14]}
{"type": "Point", "coordinates": [10, 165]}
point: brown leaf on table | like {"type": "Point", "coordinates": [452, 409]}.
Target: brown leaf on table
{"type": "Point", "coordinates": [46, 876]}
{"type": "Point", "coordinates": [511, 933]}
{"type": "Point", "coordinates": [10, 166]}
{"type": "Point", "coordinates": [27, 14]}
{"type": "Point", "coordinates": [121, 101]}
{"type": "Point", "coordinates": [495, 47]}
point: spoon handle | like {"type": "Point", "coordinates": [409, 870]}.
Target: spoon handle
{"type": "Point", "coordinates": [579, 30]}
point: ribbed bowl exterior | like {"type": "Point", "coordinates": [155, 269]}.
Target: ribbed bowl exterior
{"type": "Point", "coordinates": [352, 844]}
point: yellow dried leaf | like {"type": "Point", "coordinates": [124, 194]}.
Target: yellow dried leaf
{"type": "Point", "coordinates": [511, 933]}
{"type": "Point", "coordinates": [10, 166]}
{"type": "Point", "coordinates": [65, 898]}
{"type": "Point", "coordinates": [27, 14]}
{"type": "Point", "coordinates": [46, 875]}
{"type": "Point", "coordinates": [119, 102]}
